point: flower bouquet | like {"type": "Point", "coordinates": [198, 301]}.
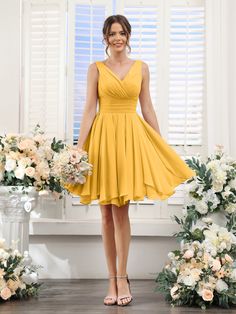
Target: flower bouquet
{"type": "Point", "coordinates": [18, 277]}
{"type": "Point", "coordinates": [203, 271]}
{"type": "Point", "coordinates": [71, 166]}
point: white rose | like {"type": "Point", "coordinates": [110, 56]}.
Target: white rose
{"type": "Point", "coordinates": [221, 285]}
{"type": "Point", "coordinates": [202, 207]}
{"type": "Point", "coordinates": [10, 165]}
{"type": "Point", "coordinates": [207, 220]}
{"type": "Point", "coordinates": [189, 281]}
{"type": "Point", "coordinates": [19, 173]}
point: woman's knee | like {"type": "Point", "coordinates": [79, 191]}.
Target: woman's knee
{"type": "Point", "coordinates": [120, 214]}
{"type": "Point", "coordinates": [106, 212]}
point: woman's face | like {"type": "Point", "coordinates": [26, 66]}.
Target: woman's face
{"type": "Point", "coordinates": [117, 38]}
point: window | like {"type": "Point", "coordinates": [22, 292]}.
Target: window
{"type": "Point", "coordinates": [87, 49]}
{"type": "Point", "coordinates": [186, 78]}
{"type": "Point", "coordinates": [61, 39]}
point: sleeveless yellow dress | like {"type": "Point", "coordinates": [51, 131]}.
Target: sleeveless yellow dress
{"type": "Point", "coordinates": [130, 159]}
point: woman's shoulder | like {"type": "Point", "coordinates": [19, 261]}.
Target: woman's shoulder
{"type": "Point", "coordinates": [144, 64]}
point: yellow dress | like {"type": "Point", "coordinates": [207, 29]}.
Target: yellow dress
{"type": "Point", "coordinates": [130, 159]}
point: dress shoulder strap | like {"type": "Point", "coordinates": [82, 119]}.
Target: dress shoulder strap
{"type": "Point", "coordinates": [98, 64]}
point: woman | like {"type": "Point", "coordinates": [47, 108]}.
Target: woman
{"type": "Point", "coordinates": [130, 159]}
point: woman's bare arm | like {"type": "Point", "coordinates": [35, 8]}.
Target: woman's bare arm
{"type": "Point", "coordinates": [147, 109]}
{"type": "Point", "coordinates": [90, 105]}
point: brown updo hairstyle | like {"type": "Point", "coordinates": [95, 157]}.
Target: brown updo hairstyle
{"type": "Point", "coordinates": [122, 20]}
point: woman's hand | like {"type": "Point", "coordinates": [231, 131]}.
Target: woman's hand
{"type": "Point", "coordinates": [78, 148]}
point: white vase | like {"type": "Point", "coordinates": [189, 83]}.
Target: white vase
{"type": "Point", "coordinates": [15, 207]}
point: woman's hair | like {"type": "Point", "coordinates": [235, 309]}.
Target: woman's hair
{"type": "Point", "coordinates": [122, 20]}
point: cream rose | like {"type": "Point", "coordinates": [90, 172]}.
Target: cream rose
{"type": "Point", "coordinates": [30, 171]}
{"type": "Point", "coordinates": [216, 265]}
{"type": "Point", "coordinates": [188, 254]}
{"type": "Point", "coordinates": [207, 295]}
{"type": "Point", "coordinates": [26, 144]}
{"type": "Point", "coordinates": [5, 293]}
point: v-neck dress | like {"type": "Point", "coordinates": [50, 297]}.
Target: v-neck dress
{"type": "Point", "coordinates": [130, 159]}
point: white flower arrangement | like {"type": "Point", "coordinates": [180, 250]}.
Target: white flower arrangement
{"type": "Point", "coordinates": [202, 272]}
{"type": "Point", "coordinates": [213, 189]}
{"type": "Point", "coordinates": [18, 276]}
{"type": "Point", "coordinates": [39, 162]}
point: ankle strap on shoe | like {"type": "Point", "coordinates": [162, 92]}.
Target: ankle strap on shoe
{"type": "Point", "coordinates": [112, 276]}
{"type": "Point", "coordinates": [125, 276]}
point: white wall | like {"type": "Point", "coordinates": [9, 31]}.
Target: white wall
{"type": "Point", "coordinates": [232, 74]}
{"type": "Point", "coordinates": [83, 256]}
{"type": "Point", "coordinates": [9, 65]}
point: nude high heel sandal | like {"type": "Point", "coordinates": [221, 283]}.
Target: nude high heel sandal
{"type": "Point", "coordinates": [124, 296]}
{"type": "Point", "coordinates": [110, 297]}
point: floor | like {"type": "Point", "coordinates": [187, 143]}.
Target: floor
{"type": "Point", "coordinates": [86, 296]}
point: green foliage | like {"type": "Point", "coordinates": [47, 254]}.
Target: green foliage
{"type": "Point", "coordinates": [231, 222]}
{"type": "Point", "coordinates": [204, 175]}
{"type": "Point", "coordinates": [57, 146]}
{"type": "Point", "coordinates": [165, 280]}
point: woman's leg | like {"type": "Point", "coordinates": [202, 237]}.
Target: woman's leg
{"type": "Point", "coordinates": [109, 246]}
{"type": "Point", "coordinates": [122, 239]}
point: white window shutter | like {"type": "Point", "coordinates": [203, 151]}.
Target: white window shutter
{"type": "Point", "coordinates": [186, 82]}
{"type": "Point", "coordinates": [44, 66]}
{"type": "Point", "coordinates": [186, 74]}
